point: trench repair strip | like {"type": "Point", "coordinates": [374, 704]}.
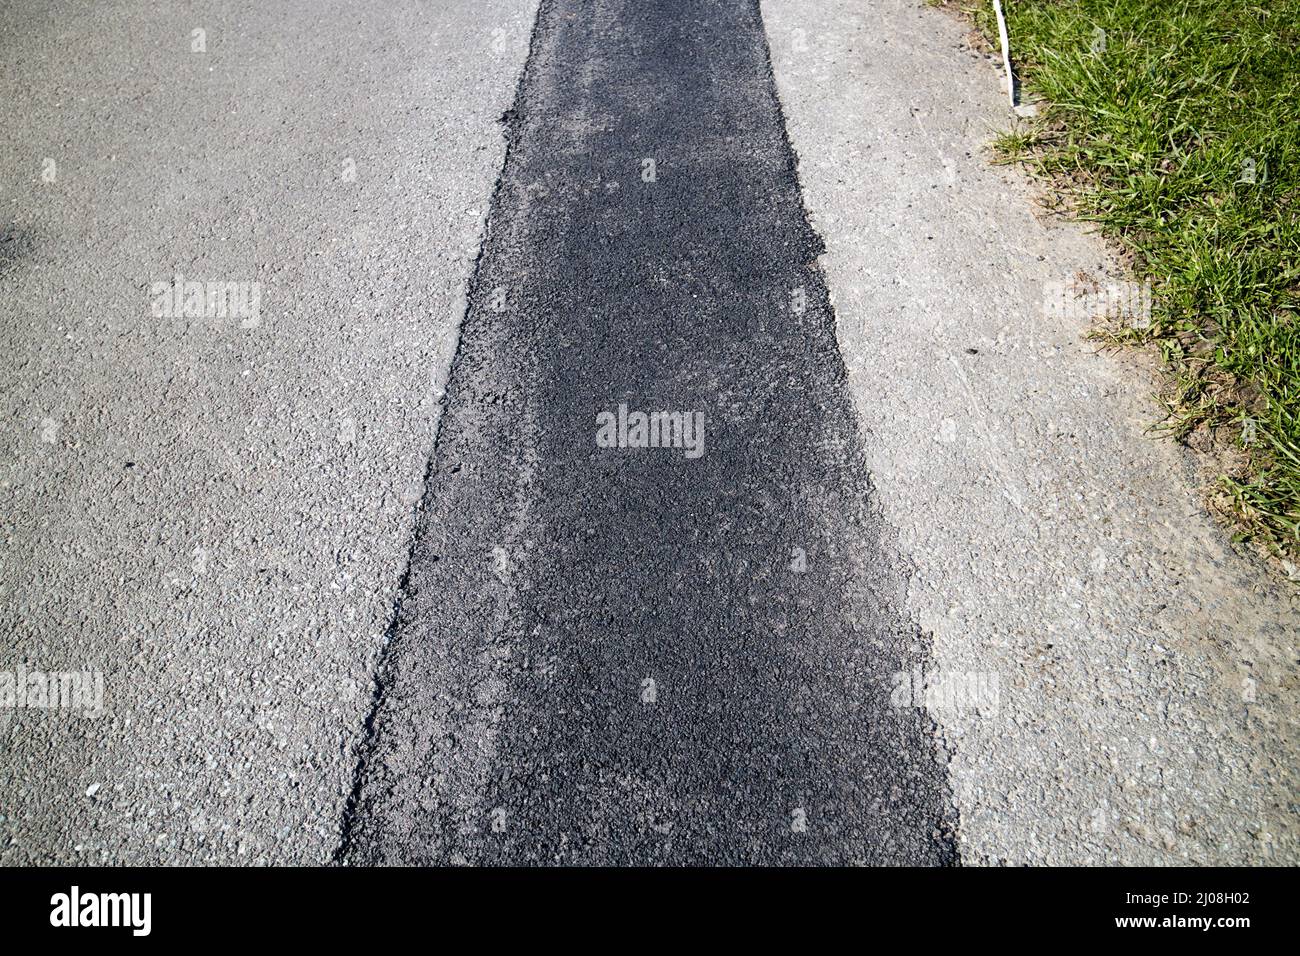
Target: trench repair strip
{"type": "Point", "coordinates": [619, 647]}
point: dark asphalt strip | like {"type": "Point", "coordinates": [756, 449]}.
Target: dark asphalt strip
{"type": "Point", "coordinates": [649, 654]}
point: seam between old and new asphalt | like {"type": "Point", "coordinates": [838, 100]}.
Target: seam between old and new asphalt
{"type": "Point", "coordinates": [366, 744]}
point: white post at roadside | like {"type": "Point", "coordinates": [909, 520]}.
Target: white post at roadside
{"type": "Point", "coordinates": [1006, 52]}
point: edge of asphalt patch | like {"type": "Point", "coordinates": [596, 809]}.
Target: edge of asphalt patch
{"type": "Point", "coordinates": [366, 744]}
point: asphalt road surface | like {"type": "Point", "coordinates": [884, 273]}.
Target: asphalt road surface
{"type": "Point", "coordinates": [683, 654]}
{"type": "Point", "coordinates": [645, 406]}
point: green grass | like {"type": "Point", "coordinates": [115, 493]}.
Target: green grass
{"type": "Point", "coordinates": [1151, 135]}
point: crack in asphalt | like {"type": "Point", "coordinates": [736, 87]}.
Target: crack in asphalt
{"type": "Point", "coordinates": [615, 647]}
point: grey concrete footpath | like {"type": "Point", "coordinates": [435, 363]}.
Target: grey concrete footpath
{"type": "Point", "coordinates": [214, 511]}
{"type": "Point", "coordinates": [1146, 672]}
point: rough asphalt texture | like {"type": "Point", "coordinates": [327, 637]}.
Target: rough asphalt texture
{"type": "Point", "coordinates": [219, 516]}
{"type": "Point", "coordinates": [1147, 671]}
{"type": "Point", "coordinates": [554, 580]}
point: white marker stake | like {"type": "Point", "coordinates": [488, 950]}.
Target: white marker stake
{"type": "Point", "coordinates": [1006, 55]}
